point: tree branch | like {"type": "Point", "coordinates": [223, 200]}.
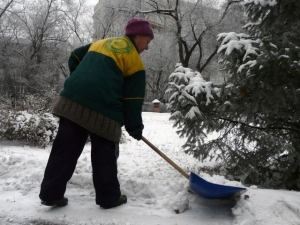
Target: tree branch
{"type": "Point", "coordinates": [6, 7]}
{"type": "Point", "coordinates": [261, 128]}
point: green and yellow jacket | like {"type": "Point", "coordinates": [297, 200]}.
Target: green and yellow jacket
{"type": "Point", "coordinates": [108, 76]}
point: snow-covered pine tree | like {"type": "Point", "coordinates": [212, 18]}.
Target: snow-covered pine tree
{"type": "Point", "coordinates": [258, 110]}
{"type": "Point", "coordinates": [190, 98]}
{"type": "Point", "coordinates": [265, 69]}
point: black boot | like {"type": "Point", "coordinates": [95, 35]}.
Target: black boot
{"type": "Point", "coordinates": [120, 201]}
{"type": "Point", "coordinates": [60, 202]}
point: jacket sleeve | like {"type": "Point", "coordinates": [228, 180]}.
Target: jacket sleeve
{"type": "Point", "coordinates": [134, 92]}
{"type": "Point", "coordinates": [76, 57]}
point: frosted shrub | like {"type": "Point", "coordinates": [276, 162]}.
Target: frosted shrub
{"type": "Point", "coordinates": [32, 128]}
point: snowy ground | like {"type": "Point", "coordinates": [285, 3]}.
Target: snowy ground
{"type": "Point", "coordinates": [154, 189]}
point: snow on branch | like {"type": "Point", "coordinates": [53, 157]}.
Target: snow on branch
{"type": "Point", "coordinates": [240, 43]}
{"type": "Point", "coordinates": [188, 91]}
{"type": "Point", "coordinates": [193, 112]}
{"type": "Point", "coordinates": [230, 36]}
{"type": "Point", "coordinates": [182, 74]}
{"type": "Point", "coordinates": [247, 65]}
{"type": "Point", "coordinates": [261, 2]}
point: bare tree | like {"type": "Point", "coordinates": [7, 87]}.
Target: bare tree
{"type": "Point", "coordinates": [110, 17]}
{"type": "Point", "coordinates": [192, 23]}
{"type": "Point", "coordinates": [41, 26]}
{"type": "Point", "coordinates": [159, 63]}
{"type": "Point", "coordinates": [79, 20]}
{"type": "Point", "coordinates": [9, 69]}
{"type": "Point", "coordinates": [5, 7]}
{"type": "Point", "coordinates": [35, 41]}
{"type": "Point", "coordinates": [103, 20]}
{"type": "Point", "coordinates": [42, 23]}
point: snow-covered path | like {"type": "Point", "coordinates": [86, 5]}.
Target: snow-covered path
{"type": "Point", "coordinates": [154, 189]}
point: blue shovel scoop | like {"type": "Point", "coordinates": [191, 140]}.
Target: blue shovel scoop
{"type": "Point", "coordinates": [199, 185]}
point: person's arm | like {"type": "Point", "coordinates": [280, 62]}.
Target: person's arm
{"type": "Point", "coordinates": [134, 91]}
{"type": "Point", "coordinates": [76, 57]}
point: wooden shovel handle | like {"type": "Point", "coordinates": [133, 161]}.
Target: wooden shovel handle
{"type": "Point", "coordinates": [165, 157]}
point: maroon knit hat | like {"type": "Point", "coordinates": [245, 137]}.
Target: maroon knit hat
{"type": "Point", "coordinates": [139, 26]}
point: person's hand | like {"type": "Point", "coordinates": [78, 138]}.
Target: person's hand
{"type": "Point", "coordinates": [137, 136]}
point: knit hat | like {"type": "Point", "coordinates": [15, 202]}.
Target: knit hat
{"type": "Point", "coordinates": [139, 26]}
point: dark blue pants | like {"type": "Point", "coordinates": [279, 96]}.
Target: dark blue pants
{"type": "Point", "coordinates": [66, 149]}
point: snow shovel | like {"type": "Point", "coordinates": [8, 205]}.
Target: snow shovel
{"type": "Point", "coordinates": [199, 185]}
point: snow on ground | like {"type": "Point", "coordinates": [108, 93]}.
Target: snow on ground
{"type": "Point", "coordinates": [154, 189]}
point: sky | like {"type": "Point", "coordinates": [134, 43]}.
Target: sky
{"type": "Point", "coordinates": [154, 188]}
{"type": "Point", "coordinates": [93, 2]}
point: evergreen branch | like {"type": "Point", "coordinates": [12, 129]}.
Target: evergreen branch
{"type": "Point", "coordinates": [268, 127]}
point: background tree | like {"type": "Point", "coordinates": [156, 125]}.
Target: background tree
{"type": "Point", "coordinates": [42, 25]}
{"type": "Point", "coordinates": [257, 112]}
{"type": "Point", "coordinates": [5, 6]}
{"type": "Point", "coordinates": [9, 44]}
{"type": "Point", "coordinates": [44, 32]}
{"type": "Point", "coordinates": [77, 20]}
{"type": "Point", "coordinates": [194, 24]}
{"type": "Point", "coordinates": [159, 62]}
{"type": "Point", "coordinates": [36, 38]}
{"type": "Point", "coordinates": [188, 28]}
{"type": "Point", "coordinates": [110, 17]}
